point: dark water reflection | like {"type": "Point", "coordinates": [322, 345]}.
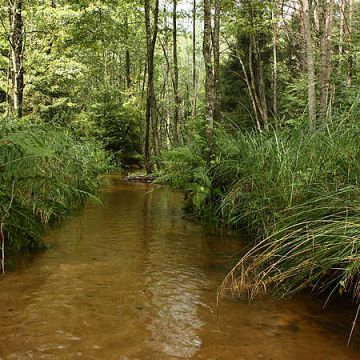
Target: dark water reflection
{"type": "Point", "coordinates": [132, 280]}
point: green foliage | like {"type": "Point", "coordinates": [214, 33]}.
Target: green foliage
{"type": "Point", "coordinates": [297, 191]}
{"type": "Point", "coordinates": [44, 173]}
{"type": "Point", "coordinates": [75, 70]}
{"type": "Point", "coordinates": [119, 126]}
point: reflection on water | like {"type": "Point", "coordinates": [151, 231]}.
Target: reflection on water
{"type": "Point", "coordinates": [132, 280]}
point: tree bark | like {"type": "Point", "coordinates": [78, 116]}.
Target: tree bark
{"type": "Point", "coordinates": [151, 114]}
{"type": "Point", "coordinates": [262, 90]}
{"type": "Point", "coordinates": [17, 45]}
{"type": "Point", "coordinates": [350, 58]}
{"type": "Point", "coordinates": [167, 75]}
{"type": "Point", "coordinates": [309, 64]}
{"type": "Point", "coordinates": [325, 31]}
{"type": "Point", "coordinates": [251, 95]}
{"type": "Point", "coordinates": [127, 56]}
{"type": "Point", "coordinates": [302, 30]}
{"type": "Point", "coordinates": [216, 53]}
{"type": "Point", "coordinates": [194, 73]}
{"type": "Point", "coordinates": [176, 75]}
{"type": "Point", "coordinates": [342, 28]}
{"type": "Point", "coordinates": [275, 13]}
{"type": "Point", "coordinates": [209, 77]}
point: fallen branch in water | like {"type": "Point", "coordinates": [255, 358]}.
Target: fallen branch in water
{"type": "Point", "coordinates": [141, 178]}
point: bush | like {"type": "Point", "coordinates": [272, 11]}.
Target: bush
{"type": "Point", "coordinates": [44, 173]}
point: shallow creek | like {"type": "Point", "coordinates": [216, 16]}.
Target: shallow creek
{"type": "Point", "coordinates": [131, 279]}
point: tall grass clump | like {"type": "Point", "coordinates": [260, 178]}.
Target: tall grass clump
{"type": "Point", "coordinates": [44, 173]}
{"type": "Point", "coordinates": [298, 193]}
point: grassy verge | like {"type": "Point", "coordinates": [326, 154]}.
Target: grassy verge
{"type": "Point", "coordinates": [297, 192]}
{"type": "Point", "coordinates": [44, 173]}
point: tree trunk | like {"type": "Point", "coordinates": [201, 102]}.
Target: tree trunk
{"type": "Point", "coordinates": [275, 13]}
{"type": "Point", "coordinates": [176, 75]}
{"type": "Point", "coordinates": [216, 52]}
{"type": "Point", "coordinates": [262, 90]}
{"type": "Point", "coordinates": [17, 55]}
{"type": "Point", "coordinates": [166, 87]}
{"type": "Point", "coordinates": [194, 74]}
{"type": "Point", "coordinates": [342, 28]}
{"type": "Point", "coordinates": [325, 31]}
{"type": "Point", "coordinates": [255, 98]}
{"type": "Point", "coordinates": [350, 58]}
{"type": "Point", "coordinates": [302, 30]}
{"type": "Point", "coordinates": [151, 114]}
{"type": "Point", "coordinates": [251, 95]}
{"type": "Point", "coordinates": [209, 78]}
{"type": "Point", "coordinates": [309, 64]}
{"type": "Point", "coordinates": [127, 56]}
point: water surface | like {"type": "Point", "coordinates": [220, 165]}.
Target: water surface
{"type": "Point", "coordinates": [133, 280]}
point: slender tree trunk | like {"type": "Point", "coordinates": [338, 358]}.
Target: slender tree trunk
{"type": "Point", "coordinates": [262, 90]}
{"type": "Point", "coordinates": [167, 75]}
{"type": "Point", "coordinates": [176, 76]}
{"type": "Point", "coordinates": [302, 28]}
{"type": "Point", "coordinates": [329, 52]}
{"type": "Point", "coordinates": [209, 77]}
{"type": "Point", "coordinates": [194, 73]}
{"type": "Point", "coordinates": [127, 55]}
{"type": "Point", "coordinates": [257, 79]}
{"type": "Point", "coordinates": [17, 45]}
{"type": "Point", "coordinates": [216, 52]}
{"type": "Point", "coordinates": [251, 95]}
{"type": "Point", "coordinates": [310, 64]}
{"type": "Point", "coordinates": [275, 56]}
{"type": "Point", "coordinates": [325, 31]}
{"type": "Point", "coordinates": [151, 114]}
{"type": "Point", "coordinates": [342, 28]}
{"type": "Point", "coordinates": [350, 58]}
{"type": "Point", "coordinates": [252, 82]}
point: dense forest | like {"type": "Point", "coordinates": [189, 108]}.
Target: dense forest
{"type": "Point", "coordinates": [251, 107]}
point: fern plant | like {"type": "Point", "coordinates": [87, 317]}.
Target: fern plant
{"type": "Point", "coordinates": [44, 173]}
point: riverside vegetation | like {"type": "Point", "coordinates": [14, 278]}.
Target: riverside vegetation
{"type": "Point", "coordinates": [44, 173]}
{"type": "Point", "coordinates": [296, 192]}
{"type": "Point", "coordinates": [251, 107]}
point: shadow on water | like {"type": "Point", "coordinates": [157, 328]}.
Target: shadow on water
{"type": "Point", "coordinates": [131, 279]}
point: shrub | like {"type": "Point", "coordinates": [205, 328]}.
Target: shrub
{"type": "Point", "coordinates": [44, 173]}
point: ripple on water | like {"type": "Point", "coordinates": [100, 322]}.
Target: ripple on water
{"type": "Point", "coordinates": [133, 280]}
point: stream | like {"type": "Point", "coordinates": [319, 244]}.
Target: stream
{"type": "Point", "coordinates": [132, 279]}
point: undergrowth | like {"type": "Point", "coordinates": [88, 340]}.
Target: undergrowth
{"type": "Point", "coordinates": [297, 191]}
{"type": "Point", "coordinates": [44, 173]}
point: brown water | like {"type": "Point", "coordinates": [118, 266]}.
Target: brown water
{"type": "Point", "coordinates": [133, 280]}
